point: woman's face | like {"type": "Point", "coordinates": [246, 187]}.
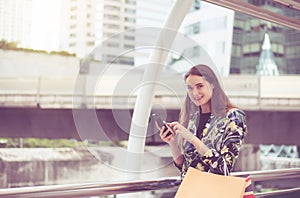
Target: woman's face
{"type": "Point", "coordinates": [200, 92]}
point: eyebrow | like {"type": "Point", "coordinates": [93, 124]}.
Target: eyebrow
{"type": "Point", "coordinates": [196, 84]}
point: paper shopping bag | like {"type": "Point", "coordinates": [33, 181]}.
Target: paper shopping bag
{"type": "Point", "coordinates": [198, 184]}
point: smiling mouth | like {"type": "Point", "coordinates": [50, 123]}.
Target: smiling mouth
{"type": "Point", "coordinates": [198, 98]}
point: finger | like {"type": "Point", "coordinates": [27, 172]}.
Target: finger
{"type": "Point", "coordinates": [167, 133]}
{"type": "Point", "coordinates": [176, 127]}
{"type": "Point", "coordinates": [173, 124]}
{"type": "Point", "coordinates": [157, 126]}
{"type": "Point", "coordinates": [161, 131]}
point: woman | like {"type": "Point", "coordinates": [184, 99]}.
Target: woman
{"type": "Point", "coordinates": [210, 130]}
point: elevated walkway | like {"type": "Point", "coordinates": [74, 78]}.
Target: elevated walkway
{"type": "Point", "coordinates": [248, 92]}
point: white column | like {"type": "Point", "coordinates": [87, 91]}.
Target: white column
{"type": "Point", "coordinates": [138, 130]}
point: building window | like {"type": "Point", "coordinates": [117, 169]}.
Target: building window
{"type": "Point", "coordinates": [238, 24]}
{"type": "Point", "coordinates": [127, 27]}
{"type": "Point", "coordinates": [127, 46]}
{"type": "Point", "coordinates": [192, 29]}
{"type": "Point", "coordinates": [112, 44]}
{"type": "Point", "coordinates": [213, 24]}
{"type": "Point", "coordinates": [292, 51]}
{"type": "Point", "coordinates": [125, 60]}
{"type": "Point", "coordinates": [130, 10]}
{"type": "Point", "coordinates": [195, 6]}
{"type": "Point", "coordinates": [236, 51]}
{"type": "Point", "coordinates": [73, 8]}
{"type": "Point", "coordinates": [111, 26]}
{"type": "Point", "coordinates": [192, 52]}
{"type": "Point", "coordinates": [130, 38]}
{"type": "Point", "coordinates": [111, 17]}
{"type": "Point", "coordinates": [112, 8]}
{"type": "Point", "coordinates": [251, 48]}
{"type": "Point", "coordinates": [130, 2]}
{"type": "Point", "coordinates": [131, 20]}
{"type": "Point", "coordinates": [90, 43]}
{"type": "Point", "coordinates": [72, 35]}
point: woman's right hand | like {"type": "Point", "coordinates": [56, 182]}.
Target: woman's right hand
{"type": "Point", "coordinates": [167, 135]}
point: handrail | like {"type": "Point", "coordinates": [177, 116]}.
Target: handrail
{"type": "Point", "coordinates": [90, 189]}
{"type": "Point", "coordinates": [277, 192]}
{"type": "Point", "coordinates": [101, 189]}
{"type": "Point", "coordinates": [264, 175]}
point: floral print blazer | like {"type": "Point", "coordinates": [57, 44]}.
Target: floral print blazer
{"type": "Point", "coordinates": [223, 136]}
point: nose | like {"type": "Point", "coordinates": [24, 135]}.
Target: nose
{"type": "Point", "coordinates": [195, 92]}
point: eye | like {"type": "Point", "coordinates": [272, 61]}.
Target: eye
{"type": "Point", "coordinates": [199, 86]}
{"type": "Point", "coordinates": [189, 88]}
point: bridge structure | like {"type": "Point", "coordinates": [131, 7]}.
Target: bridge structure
{"type": "Point", "coordinates": [45, 106]}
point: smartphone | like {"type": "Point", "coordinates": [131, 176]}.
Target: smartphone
{"type": "Point", "coordinates": [161, 124]}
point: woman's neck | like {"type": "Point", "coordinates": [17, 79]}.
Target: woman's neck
{"type": "Point", "coordinates": [204, 110]}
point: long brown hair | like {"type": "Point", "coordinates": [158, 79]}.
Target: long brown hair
{"type": "Point", "coordinates": [220, 103]}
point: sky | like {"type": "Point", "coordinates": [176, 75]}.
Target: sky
{"type": "Point", "coordinates": [45, 26]}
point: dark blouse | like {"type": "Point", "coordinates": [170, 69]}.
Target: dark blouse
{"type": "Point", "coordinates": [204, 118]}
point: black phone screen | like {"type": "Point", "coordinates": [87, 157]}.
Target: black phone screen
{"type": "Point", "coordinates": [161, 124]}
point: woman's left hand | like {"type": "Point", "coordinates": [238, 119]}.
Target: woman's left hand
{"type": "Point", "coordinates": [184, 132]}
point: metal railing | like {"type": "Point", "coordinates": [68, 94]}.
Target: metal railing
{"type": "Point", "coordinates": [116, 188]}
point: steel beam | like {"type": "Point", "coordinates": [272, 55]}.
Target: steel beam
{"type": "Point", "coordinates": [258, 12]}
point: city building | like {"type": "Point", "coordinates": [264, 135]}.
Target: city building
{"type": "Point", "coordinates": [16, 22]}
{"type": "Point", "coordinates": [248, 38]}
{"type": "Point", "coordinates": [90, 23]}
{"type": "Point", "coordinates": [112, 31]}
{"type": "Point", "coordinates": [106, 29]}
{"type": "Point", "coordinates": [150, 18]}
{"type": "Point", "coordinates": [234, 40]}
{"type": "Point", "coordinates": [210, 29]}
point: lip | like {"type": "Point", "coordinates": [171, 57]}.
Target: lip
{"type": "Point", "coordinates": [198, 98]}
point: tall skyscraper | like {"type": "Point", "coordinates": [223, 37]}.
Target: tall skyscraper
{"type": "Point", "coordinates": [16, 21]}
{"type": "Point", "coordinates": [88, 23]}
{"type": "Point", "coordinates": [108, 24]}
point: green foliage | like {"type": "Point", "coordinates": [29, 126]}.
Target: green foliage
{"type": "Point", "coordinates": [39, 143]}
{"type": "Point", "coordinates": [52, 143]}
{"type": "Point", "coordinates": [8, 45]}
{"type": "Point", "coordinates": [14, 46]}
{"type": "Point", "coordinates": [63, 53]}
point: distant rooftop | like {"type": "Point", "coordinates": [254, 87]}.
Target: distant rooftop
{"type": "Point", "coordinates": [267, 65]}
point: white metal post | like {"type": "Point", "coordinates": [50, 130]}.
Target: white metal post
{"type": "Point", "coordinates": [138, 129]}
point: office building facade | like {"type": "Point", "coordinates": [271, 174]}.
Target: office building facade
{"type": "Point", "coordinates": [248, 38]}
{"type": "Point", "coordinates": [16, 22]}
